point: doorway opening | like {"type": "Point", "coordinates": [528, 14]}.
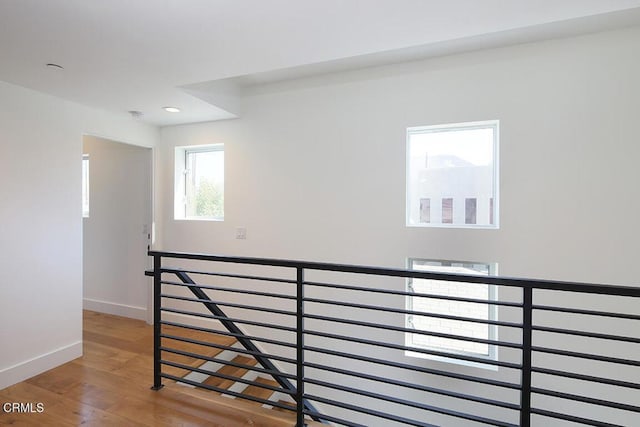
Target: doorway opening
{"type": "Point", "coordinates": [117, 227]}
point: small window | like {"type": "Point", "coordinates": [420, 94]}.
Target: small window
{"type": "Point", "coordinates": [440, 306]}
{"type": "Point", "coordinates": [470, 206]}
{"type": "Point", "coordinates": [199, 182]}
{"type": "Point", "coordinates": [447, 210]}
{"type": "Point", "coordinates": [85, 186]}
{"type": "Point", "coordinates": [456, 167]}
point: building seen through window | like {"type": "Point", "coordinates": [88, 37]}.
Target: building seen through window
{"type": "Point", "coordinates": [452, 175]}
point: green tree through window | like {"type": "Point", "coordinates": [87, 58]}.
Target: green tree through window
{"type": "Point", "coordinates": [209, 200]}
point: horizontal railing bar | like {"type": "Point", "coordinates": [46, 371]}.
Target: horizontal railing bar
{"type": "Point", "coordinates": [227, 377]}
{"type": "Point", "coordinates": [586, 356]}
{"type": "Point", "coordinates": [409, 330]}
{"type": "Point", "coordinates": [586, 334]}
{"type": "Point", "coordinates": [544, 285]}
{"type": "Point", "coordinates": [224, 391]}
{"type": "Point", "coordinates": [403, 420]}
{"type": "Point", "coordinates": [230, 319]}
{"type": "Point", "coordinates": [415, 368]}
{"type": "Point", "coordinates": [379, 271]}
{"type": "Point", "coordinates": [227, 347]}
{"type": "Point", "coordinates": [331, 418]}
{"type": "Point", "coordinates": [237, 291]}
{"type": "Point", "coordinates": [572, 418]}
{"type": "Point", "coordinates": [228, 324]}
{"type": "Point", "coordinates": [414, 312]}
{"type": "Point", "coordinates": [229, 304]}
{"type": "Point", "coordinates": [229, 362]}
{"type": "Point", "coordinates": [412, 349]}
{"type": "Point", "coordinates": [582, 377]}
{"type": "Point", "coordinates": [416, 294]}
{"type": "Point", "coordinates": [234, 276]}
{"type": "Point", "coordinates": [414, 386]}
{"type": "Point", "coordinates": [409, 403]}
{"type": "Point", "coordinates": [449, 355]}
{"type": "Point", "coordinates": [584, 399]}
{"type": "Point", "coordinates": [586, 312]}
{"type": "Point", "coordinates": [229, 334]}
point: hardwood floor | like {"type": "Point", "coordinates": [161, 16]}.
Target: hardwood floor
{"type": "Point", "coordinates": [109, 386]}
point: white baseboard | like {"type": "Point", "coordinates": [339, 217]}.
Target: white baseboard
{"type": "Point", "coordinates": [32, 367]}
{"type": "Point", "coordinates": [133, 312]}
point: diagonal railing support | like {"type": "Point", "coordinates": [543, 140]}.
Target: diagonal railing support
{"type": "Point", "coordinates": [302, 404]}
{"type": "Point", "coordinates": [321, 385]}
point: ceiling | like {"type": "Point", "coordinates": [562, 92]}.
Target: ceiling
{"type": "Point", "coordinates": [198, 55]}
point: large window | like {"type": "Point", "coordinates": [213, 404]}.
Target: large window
{"type": "Point", "coordinates": [436, 305]}
{"type": "Point", "coordinates": [452, 175]}
{"type": "Point", "coordinates": [199, 182]}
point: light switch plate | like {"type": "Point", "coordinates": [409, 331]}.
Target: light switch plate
{"type": "Point", "coordinates": [241, 233]}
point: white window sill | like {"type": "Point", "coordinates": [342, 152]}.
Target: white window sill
{"type": "Point", "coordinates": [453, 361]}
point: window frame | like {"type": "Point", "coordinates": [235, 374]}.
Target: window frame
{"type": "Point", "coordinates": [181, 182]}
{"type": "Point", "coordinates": [492, 330]}
{"type": "Point", "coordinates": [493, 201]}
{"type": "Point", "coordinates": [86, 206]}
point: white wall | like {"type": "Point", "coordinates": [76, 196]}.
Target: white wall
{"type": "Point", "coordinates": [115, 235]}
{"type": "Point", "coordinates": [41, 228]}
{"type": "Point", "coordinates": [315, 168]}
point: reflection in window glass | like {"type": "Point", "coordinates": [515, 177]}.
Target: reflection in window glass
{"type": "Point", "coordinates": [425, 210]}
{"type": "Point", "coordinates": [439, 306]}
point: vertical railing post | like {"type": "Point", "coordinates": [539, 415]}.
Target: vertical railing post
{"type": "Point", "coordinates": [157, 287]}
{"type": "Point", "coordinates": [527, 323]}
{"type": "Point", "coordinates": [300, 347]}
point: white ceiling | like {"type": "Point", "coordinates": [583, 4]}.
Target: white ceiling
{"type": "Point", "coordinates": [122, 55]}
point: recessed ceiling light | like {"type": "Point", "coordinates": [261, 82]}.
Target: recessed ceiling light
{"type": "Point", "coordinates": [55, 66]}
{"type": "Point", "coordinates": [171, 109]}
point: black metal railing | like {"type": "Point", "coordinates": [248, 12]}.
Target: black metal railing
{"type": "Point", "coordinates": [337, 342]}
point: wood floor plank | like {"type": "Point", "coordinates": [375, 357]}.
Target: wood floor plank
{"type": "Point", "coordinates": [203, 350]}
{"type": "Point", "coordinates": [251, 414]}
{"type": "Point", "coordinates": [286, 403]}
{"type": "Point", "coordinates": [79, 413]}
{"type": "Point", "coordinates": [110, 386]}
{"type": "Point", "coordinates": [28, 393]}
{"type": "Point", "coordinates": [260, 392]}
{"type": "Point", "coordinates": [232, 371]}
